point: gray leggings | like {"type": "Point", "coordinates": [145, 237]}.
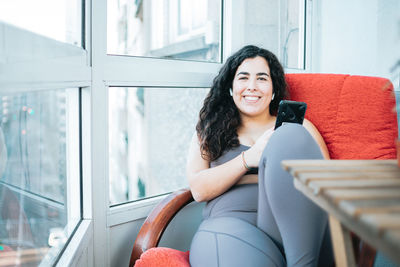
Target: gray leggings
{"type": "Point", "coordinates": [289, 230]}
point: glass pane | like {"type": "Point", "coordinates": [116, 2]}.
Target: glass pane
{"type": "Point", "coordinates": [149, 134]}
{"type": "Point", "coordinates": [56, 19]}
{"type": "Point", "coordinates": [180, 29]}
{"type": "Point", "coordinates": [20, 46]}
{"type": "Point", "coordinates": [293, 34]}
{"type": "Point", "coordinates": [38, 209]}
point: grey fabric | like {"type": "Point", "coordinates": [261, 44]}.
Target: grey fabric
{"type": "Point", "coordinates": [291, 219]}
{"type": "Point", "coordinates": [230, 154]}
{"type": "Point", "coordinates": [289, 225]}
{"type": "Point", "coordinates": [239, 202]}
{"type": "Point", "coordinates": [229, 241]}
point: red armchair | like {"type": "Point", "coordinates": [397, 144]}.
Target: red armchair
{"type": "Point", "coordinates": [355, 116]}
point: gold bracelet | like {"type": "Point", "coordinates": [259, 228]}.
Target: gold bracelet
{"type": "Point", "coordinates": [244, 162]}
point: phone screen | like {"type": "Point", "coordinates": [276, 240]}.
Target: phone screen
{"type": "Point", "coordinates": [290, 111]}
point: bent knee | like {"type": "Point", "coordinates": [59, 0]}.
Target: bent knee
{"type": "Point", "coordinates": [227, 241]}
{"type": "Point", "coordinates": [292, 141]}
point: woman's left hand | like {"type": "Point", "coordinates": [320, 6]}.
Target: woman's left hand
{"type": "Point", "coordinates": [253, 155]}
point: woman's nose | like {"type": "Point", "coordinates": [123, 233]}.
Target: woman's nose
{"type": "Point", "coordinates": [252, 85]}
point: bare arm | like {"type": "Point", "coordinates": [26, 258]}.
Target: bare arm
{"type": "Point", "coordinates": [207, 183]}
{"type": "Point", "coordinates": [317, 137]}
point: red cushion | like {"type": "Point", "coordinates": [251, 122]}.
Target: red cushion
{"type": "Point", "coordinates": [368, 123]}
{"type": "Point", "coordinates": [166, 257]}
{"type": "Point", "coordinates": [354, 114]}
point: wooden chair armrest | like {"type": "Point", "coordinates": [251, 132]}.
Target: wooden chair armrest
{"type": "Point", "coordinates": [155, 224]}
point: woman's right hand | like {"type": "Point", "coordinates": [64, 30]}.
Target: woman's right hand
{"type": "Point", "coordinates": [252, 156]}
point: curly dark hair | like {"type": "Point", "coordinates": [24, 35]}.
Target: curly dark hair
{"type": "Point", "coordinates": [219, 117]}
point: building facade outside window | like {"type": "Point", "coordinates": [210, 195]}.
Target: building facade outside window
{"type": "Point", "coordinates": [149, 135]}
{"type": "Point", "coordinates": [176, 29]}
{"type": "Point", "coordinates": [38, 208]}
{"type": "Point", "coordinates": [293, 35]}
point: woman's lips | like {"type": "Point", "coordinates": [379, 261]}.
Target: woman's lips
{"type": "Point", "coordinates": [251, 98]}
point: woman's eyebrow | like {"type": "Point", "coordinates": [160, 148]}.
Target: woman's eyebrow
{"type": "Point", "coordinates": [242, 73]}
{"type": "Point", "coordinates": [258, 74]}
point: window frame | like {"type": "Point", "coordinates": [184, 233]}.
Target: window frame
{"type": "Point", "coordinates": [28, 74]}
{"type": "Point", "coordinates": [308, 40]}
{"type": "Point", "coordinates": [127, 71]}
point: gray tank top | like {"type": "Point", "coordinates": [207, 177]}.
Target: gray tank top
{"type": "Point", "coordinates": [231, 154]}
{"type": "Point", "coordinates": [240, 201]}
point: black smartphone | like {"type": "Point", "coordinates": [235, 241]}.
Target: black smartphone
{"type": "Point", "coordinates": [290, 111]}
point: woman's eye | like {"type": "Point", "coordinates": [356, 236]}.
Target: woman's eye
{"type": "Point", "coordinates": [262, 79]}
{"type": "Point", "coordinates": [243, 78]}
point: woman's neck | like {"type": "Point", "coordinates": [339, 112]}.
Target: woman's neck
{"type": "Point", "coordinates": [260, 122]}
{"type": "Point", "coordinates": [252, 128]}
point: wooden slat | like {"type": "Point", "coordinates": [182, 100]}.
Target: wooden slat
{"type": "Point", "coordinates": [354, 184]}
{"type": "Point", "coordinates": [342, 163]}
{"type": "Point", "coordinates": [382, 221]}
{"type": "Point", "coordinates": [341, 169]}
{"type": "Point", "coordinates": [306, 177]}
{"type": "Point", "coordinates": [337, 195]}
{"type": "Point", "coordinates": [356, 207]}
{"type": "Point", "coordinates": [325, 166]}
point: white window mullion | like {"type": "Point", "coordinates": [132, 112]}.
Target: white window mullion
{"type": "Point", "coordinates": [302, 37]}
{"type": "Point", "coordinates": [73, 163]}
{"type": "Point", "coordinates": [41, 63]}
{"type": "Point", "coordinates": [137, 71]}
{"type": "Point", "coordinates": [43, 76]}
{"type": "Point", "coordinates": [99, 134]}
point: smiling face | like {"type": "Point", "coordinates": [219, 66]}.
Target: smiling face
{"type": "Point", "coordinates": [252, 88]}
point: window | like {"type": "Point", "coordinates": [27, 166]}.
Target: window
{"type": "Point", "coordinates": [43, 69]}
{"type": "Point", "coordinates": [150, 126]}
{"type": "Point", "coordinates": [293, 34]}
{"type": "Point", "coordinates": [59, 20]}
{"type": "Point", "coordinates": [149, 135]}
{"type": "Point", "coordinates": [192, 15]}
{"type": "Point", "coordinates": [39, 202]}
{"type": "Point", "coordinates": [179, 29]}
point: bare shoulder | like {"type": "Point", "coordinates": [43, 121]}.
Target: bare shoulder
{"type": "Point", "coordinates": [310, 127]}
{"type": "Point", "coordinates": [195, 161]}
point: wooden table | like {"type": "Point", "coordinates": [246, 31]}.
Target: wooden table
{"type": "Point", "coordinates": [362, 196]}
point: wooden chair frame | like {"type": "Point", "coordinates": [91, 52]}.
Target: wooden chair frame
{"type": "Point", "coordinates": [155, 224]}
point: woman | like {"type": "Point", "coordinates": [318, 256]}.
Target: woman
{"type": "Point", "coordinates": [253, 219]}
